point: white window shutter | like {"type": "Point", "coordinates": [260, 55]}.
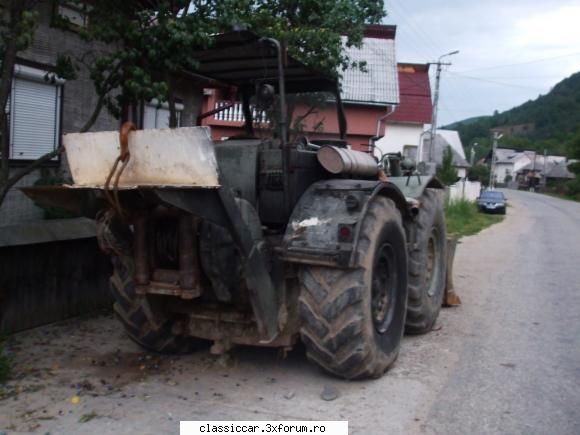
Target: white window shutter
{"type": "Point", "coordinates": [158, 117]}
{"type": "Point", "coordinates": [149, 117]}
{"type": "Point", "coordinates": [35, 118]}
{"type": "Point", "coordinates": [162, 118]}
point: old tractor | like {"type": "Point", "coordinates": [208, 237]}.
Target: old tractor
{"type": "Point", "coordinates": [257, 241]}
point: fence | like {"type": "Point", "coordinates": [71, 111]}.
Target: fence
{"type": "Point", "coordinates": [50, 271]}
{"type": "Point", "coordinates": [236, 114]}
{"type": "Point", "coordinates": [467, 190]}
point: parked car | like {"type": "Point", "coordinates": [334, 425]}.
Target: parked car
{"type": "Point", "coordinates": [492, 201]}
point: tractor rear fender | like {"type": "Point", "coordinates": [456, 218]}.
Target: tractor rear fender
{"type": "Point", "coordinates": [414, 186]}
{"type": "Point", "coordinates": [325, 224]}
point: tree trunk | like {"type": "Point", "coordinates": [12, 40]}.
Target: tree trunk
{"type": "Point", "coordinates": [6, 78]}
{"type": "Point", "coordinates": [93, 118]}
{"type": "Point", "coordinates": [15, 9]}
{"type": "Point", "coordinates": [3, 193]}
{"type": "Point", "coordinates": [171, 102]}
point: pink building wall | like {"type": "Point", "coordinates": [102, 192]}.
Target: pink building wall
{"type": "Point", "coordinates": [361, 122]}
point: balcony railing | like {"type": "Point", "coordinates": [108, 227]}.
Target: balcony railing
{"type": "Point", "coordinates": [236, 114]}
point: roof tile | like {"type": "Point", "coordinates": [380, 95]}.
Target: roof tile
{"type": "Point", "coordinates": [415, 105]}
{"type": "Point", "coordinates": [379, 85]}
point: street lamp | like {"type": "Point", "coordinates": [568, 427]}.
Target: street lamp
{"type": "Point", "coordinates": [436, 99]}
{"type": "Point", "coordinates": [451, 53]}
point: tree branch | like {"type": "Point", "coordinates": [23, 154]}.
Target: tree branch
{"type": "Point", "coordinates": [312, 110]}
{"type": "Point", "coordinates": [21, 172]}
{"type": "Point", "coordinates": [93, 118]}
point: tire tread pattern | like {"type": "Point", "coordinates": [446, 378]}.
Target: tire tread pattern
{"type": "Point", "coordinates": [146, 326]}
{"type": "Point", "coordinates": [421, 315]}
{"type": "Point", "coordinates": [335, 326]}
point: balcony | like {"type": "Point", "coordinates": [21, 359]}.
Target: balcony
{"type": "Point", "coordinates": [235, 113]}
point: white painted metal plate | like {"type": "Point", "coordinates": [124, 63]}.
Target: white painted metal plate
{"type": "Point", "coordinates": [180, 157]}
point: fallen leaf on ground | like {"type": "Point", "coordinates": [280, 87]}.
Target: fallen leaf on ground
{"type": "Point", "coordinates": [87, 417]}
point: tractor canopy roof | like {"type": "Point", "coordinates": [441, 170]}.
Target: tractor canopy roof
{"type": "Point", "coordinates": [244, 59]}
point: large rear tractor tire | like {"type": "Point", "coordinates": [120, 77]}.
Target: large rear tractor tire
{"type": "Point", "coordinates": [353, 319]}
{"type": "Point", "coordinates": [427, 265]}
{"type": "Point", "coordinates": [145, 320]}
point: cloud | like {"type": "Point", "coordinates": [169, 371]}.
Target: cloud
{"type": "Point", "coordinates": [554, 30]}
{"type": "Point", "coordinates": [492, 36]}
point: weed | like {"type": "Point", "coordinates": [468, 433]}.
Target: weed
{"type": "Point", "coordinates": [464, 219]}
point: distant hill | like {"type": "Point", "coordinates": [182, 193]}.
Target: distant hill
{"type": "Point", "coordinates": [555, 116]}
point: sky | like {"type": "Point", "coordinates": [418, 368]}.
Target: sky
{"type": "Point", "coordinates": [510, 51]}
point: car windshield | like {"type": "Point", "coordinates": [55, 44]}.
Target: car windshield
{"type": "Point", "coordinates": [492, 195]}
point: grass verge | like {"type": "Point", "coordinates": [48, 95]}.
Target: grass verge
{"type": "Point", "coordinates": [464, 219]}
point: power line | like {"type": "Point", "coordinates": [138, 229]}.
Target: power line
{"type": "Point", "coordinates": [511, 85]}
{"type": "Point", "coordinates": [417, 30]}
{"type": "Point", "coordinates": [521, 77]}
{"type": "Point", "coordinates": [523, 63]}
{"type": "Point", "coordinates": [413, 32]}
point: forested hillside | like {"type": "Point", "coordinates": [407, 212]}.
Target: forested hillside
{"type": "Point", "coordinates": [556, 118]}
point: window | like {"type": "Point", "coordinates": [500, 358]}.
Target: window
{"type": "Point", "coordinates": [70, 15]}
{"type": "Point", "coordinates": [155, 116]}
{"type": "Point", "coordinates": [410, 152]}
{"type": "Point", "coordinates": [34, 114]}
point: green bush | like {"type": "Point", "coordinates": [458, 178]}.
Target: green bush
{"type": "Point", "coordinates": [572, 189]}
{"type": "Point", "coordinates": [447, 173]}
{"type": "Point", "coordinates": [479, 173]}
{"type": "Point", "coordinates": [49, 177]}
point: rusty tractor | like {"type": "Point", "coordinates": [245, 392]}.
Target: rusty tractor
{"type": "Point", "coordinates": [253, 241]}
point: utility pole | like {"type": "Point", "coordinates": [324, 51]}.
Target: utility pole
{"type": "Point", "coordinates": [496, 137]}
{"type": "Point", "coordinates": [436, 100]}
{"type": "Point", "coordinates": [544, 170]}
{"type": "Point", "coordinates": [533, 176]}
{"type": "Point", "coordinates": [472, 158]}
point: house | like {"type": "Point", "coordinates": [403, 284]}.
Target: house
{"type": "Point", "coordinates": [558, 172]}
{"type": "Point", "coordinates": [405, 126]}
{"type": "Point", "coordinates": [444, 139]}
{"type": "Point", "coordinates": [544, 170]}
{"type": "Point", "coordinates": [41, 111]}
{"type": "Point", "coordinates": [511, 164]}
{"type": "Point", "coordinates": [368, 97]}
{"type": "Point", "coordinates": [508, 162]}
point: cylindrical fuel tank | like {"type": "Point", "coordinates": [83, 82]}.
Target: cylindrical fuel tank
{"type": "Point", "coordinates": [344, 161]}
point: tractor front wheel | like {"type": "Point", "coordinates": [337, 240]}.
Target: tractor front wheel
{"type": "Point", "coordinates": [427, 265]}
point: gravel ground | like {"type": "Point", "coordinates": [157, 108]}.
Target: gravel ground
{"type": "Point", "coordinates": [506, 361]}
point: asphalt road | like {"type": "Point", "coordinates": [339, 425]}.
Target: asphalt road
{"type": "Point", "coordinates": [506, 362]}
{"type": "Point", "coordinates": [518, 366]}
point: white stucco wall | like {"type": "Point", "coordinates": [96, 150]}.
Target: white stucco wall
{"type": "Point", "coordinates": [468, 190]}
{"type": "Point", "coordinates": [398, 135]}
{"type": "Point", "coordinates": [500, 171]}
